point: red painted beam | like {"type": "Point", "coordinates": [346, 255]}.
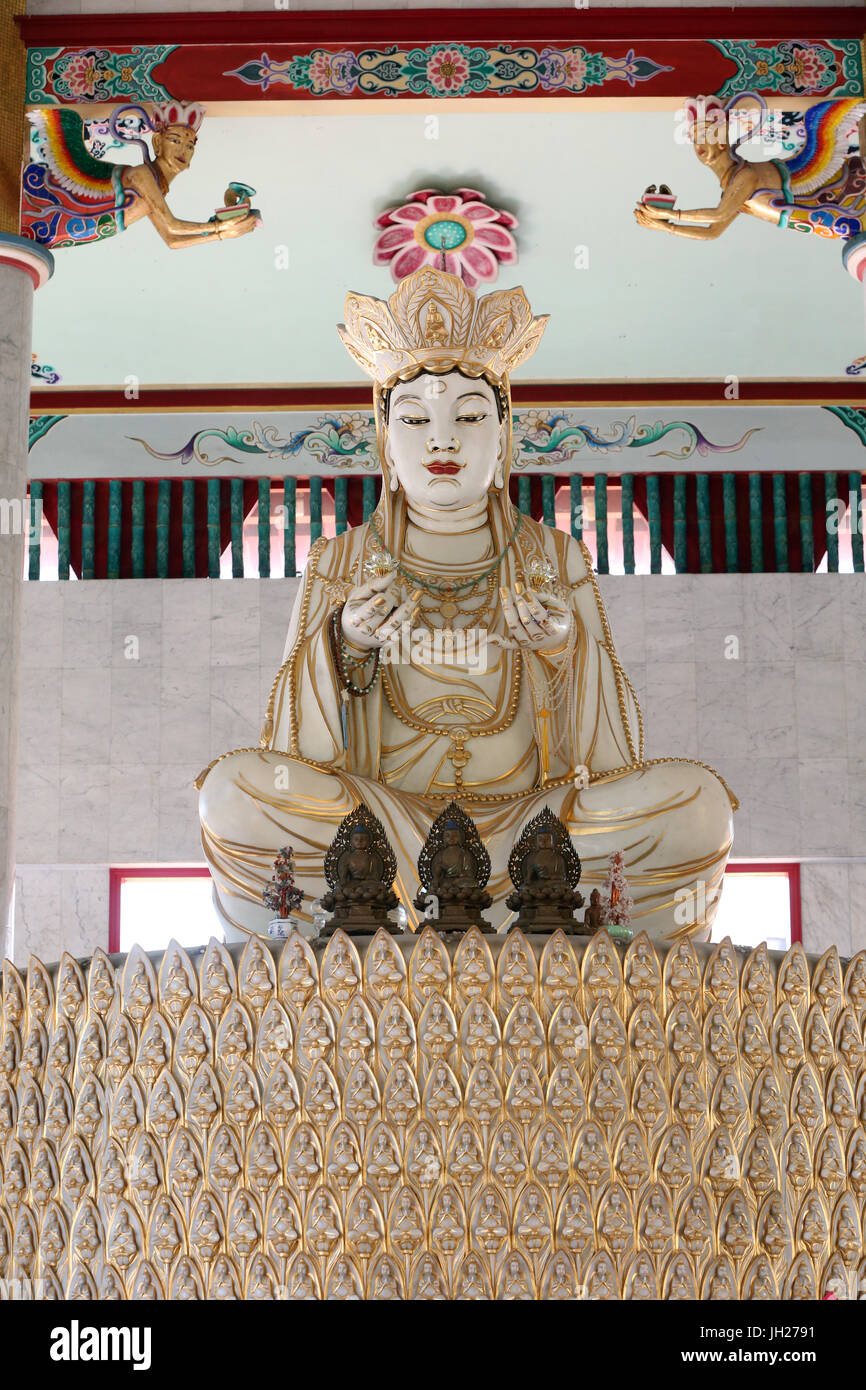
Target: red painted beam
{"type": "Point", "coordinates": [569, 24]}
{"type": "Point", "coordinates": [249, 399]}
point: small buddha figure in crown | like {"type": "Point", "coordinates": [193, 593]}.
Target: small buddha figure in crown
{"type": "Point", "coordinates": [530, 692]}
{"type": "Point", "coordinates": [545, 870]}
{"type": "Point", "coordinates": [360, 868]}
{"type": "Point", "coordinates": [454, 868]}
{"type": "Point", "coordinates": [70, 198]}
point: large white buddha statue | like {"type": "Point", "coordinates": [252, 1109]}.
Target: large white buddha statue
{"type": "Point", "coordinates": [360, 712]}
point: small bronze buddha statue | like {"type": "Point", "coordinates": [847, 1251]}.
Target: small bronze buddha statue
{"type": "Point", "coordinates": [545, 870]}
{"type": "Point", "coordinates": [454, 868]}
{"type": "Point", "coordinates": [360, 867]}
{"type": "Point", "coordinates": [595, 916]}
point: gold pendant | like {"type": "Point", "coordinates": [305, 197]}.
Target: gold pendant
{"type": "Point", "coordinates": [448, 609]}
{"type": "Point", "coordinates": [458, 753]}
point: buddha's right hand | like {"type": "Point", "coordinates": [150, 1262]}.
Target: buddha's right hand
{"type": "Point", "coordinates": [372, 613]}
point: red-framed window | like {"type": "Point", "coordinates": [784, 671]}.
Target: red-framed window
{"type": "Point", "coordinates": [760, 902]}
{"type": "Point", "coordinates": [152, 905]}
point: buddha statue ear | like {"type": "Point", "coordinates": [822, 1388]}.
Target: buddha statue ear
{"type": "Point", "coordinates": [499, 471]}
{"type": "Point", "coordinates": [388, 469]}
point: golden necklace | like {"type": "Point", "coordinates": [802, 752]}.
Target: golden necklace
{"type": "Point", "coordinates": [458, 754]}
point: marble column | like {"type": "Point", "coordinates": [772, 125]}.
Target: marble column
{"type": "Point", "coordinates": [24, 266]}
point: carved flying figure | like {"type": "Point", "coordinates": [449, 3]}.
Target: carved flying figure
{"type": "Point", "coordinates": [819, 187]}
{"type": "Point", "coordinates": [69, 198]}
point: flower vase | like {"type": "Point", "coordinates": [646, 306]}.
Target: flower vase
{"type": "Point", "coordinates": [280, 927]}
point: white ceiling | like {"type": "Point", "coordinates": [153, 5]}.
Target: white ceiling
{"type": "Point", "coordinates": [758, 302]}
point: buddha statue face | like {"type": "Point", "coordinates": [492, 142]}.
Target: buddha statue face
{"type": "Point", "coordinates": [173, 148]}
{"type": "Point", "coordinates": [444, 440]}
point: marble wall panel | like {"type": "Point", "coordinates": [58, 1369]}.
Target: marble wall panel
{"type": "Point", "coordinates": [825, 900]}
{"type": "Point", "coordinates": [60, 908]}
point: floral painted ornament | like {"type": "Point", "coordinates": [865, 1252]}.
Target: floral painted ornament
{"type": "Point", "coordinates": [456, 232]}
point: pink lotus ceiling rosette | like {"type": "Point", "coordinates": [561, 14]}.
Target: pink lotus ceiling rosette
{"type": "Point", "coordinates": [458, 232]}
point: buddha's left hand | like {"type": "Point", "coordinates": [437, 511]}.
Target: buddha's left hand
{"type": "Point", "coordinates": [543, 626]}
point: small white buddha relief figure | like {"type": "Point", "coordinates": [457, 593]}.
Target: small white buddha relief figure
{"type": "Point", "coordinates": [533, 1222]}
{"type": "Point", "coordinates": [559, 1283]}
{"type": "Point", "coordinates": [14, 994]}
{"type": "Point", "coordinates": [323, 1225]}
{"type": "Point", "coordinates": [483, 1101]}
{"type": "Point", "coordinates": [429, 969]}
{"type": "Point", "coordinates": [303, 1280]}
{"type": "Point", "coordinates": [428, 1282]}
{"type": "Point", "coordinates": [242, 1101]}
{"type": "Point", "coordinates": [472, 1284]}
{"type": "Point", "coordinates": [110, 1287]}
{"type": "Point", "coordinates": [345, 1283]}
{"type": "Point", "coordinates": [473, 968]}
{"type": "Point", "coordinates": [343, 1163]}
{"type": "Point", "coordinates": [321, 1096]}
{"type": "Point", "coordinates": [559, 975]}
{"type": "Point", "coordinates": [679, 1283]}
{"type": "Point", "coordinates": [282, 1225]}
{"type": "Point", "coordinates": [400, 1097]}
{"type": "Point", "coordinates": [261, 1284]}
{"type": "Point", "coordinates": [565, 1095]}
{"type": "Point", "coordinates": [515, 1279]}
{"type": "Point", "coordinates": [383, 1158]}
{"type": "Point", "coordinates": [395, 1035]}
{"type": "Point", "coordinates": [304, 1162]}
{"type": "Point", "coordinates": [102, 987]}
{"type": "Point", "coordinates": [257, 979]}
{"type": "Point", "coordinates": [298, 973]}
{"type": "Point", "coordinates": [361, 1099]}
{"type": "Point", "coordinates": [384, 969]}
{"type": "Point", "coordinates": [206, 1229]}
{"type": "Point", "coordinates": [424, 1163]}
{"type": "Point", "coordinates": [406, 1224]}
{"type": "Point", "coordinates": [550, 1157]}
{"type": "Point", "coordinates": [442, 1098]}
{"type": "Point", "coordinates": [365, 1227]}
{"type": "Point", "coordinates": [274, 1037]}
{"type": "Point", "coordinates": [185, 1285]}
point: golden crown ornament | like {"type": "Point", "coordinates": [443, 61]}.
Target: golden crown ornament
{"type": "Point", "coordinates": [433, 321]}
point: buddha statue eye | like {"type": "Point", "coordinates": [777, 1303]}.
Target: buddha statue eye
{"type": "Point", "coordinates": [473, 419]}
{"type": "Point", "coordinates": [413, 420]}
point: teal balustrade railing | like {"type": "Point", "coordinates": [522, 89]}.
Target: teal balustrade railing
{"type": "Point", "coordinates": [707, 523]}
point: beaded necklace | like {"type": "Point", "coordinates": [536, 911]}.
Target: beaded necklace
{"type": "Point", "coordinates": [448, 588]}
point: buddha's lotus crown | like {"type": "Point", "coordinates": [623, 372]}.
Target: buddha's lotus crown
{"type": "Point", "coordinates": [432, 320]}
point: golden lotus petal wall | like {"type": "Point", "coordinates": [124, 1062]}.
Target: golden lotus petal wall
{"type": "Point", "coordinates": [511, 1118]}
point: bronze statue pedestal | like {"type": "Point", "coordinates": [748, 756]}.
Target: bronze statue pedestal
{"type": "Point", "coordinates": [545, 917]}
{"type": "Point", "coordinates": [357, 919]}
{"type": "Point", "coordinates": [456, 916]}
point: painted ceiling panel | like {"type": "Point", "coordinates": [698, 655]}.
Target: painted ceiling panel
{"type": "Point", "coordinates": [625, 303]}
